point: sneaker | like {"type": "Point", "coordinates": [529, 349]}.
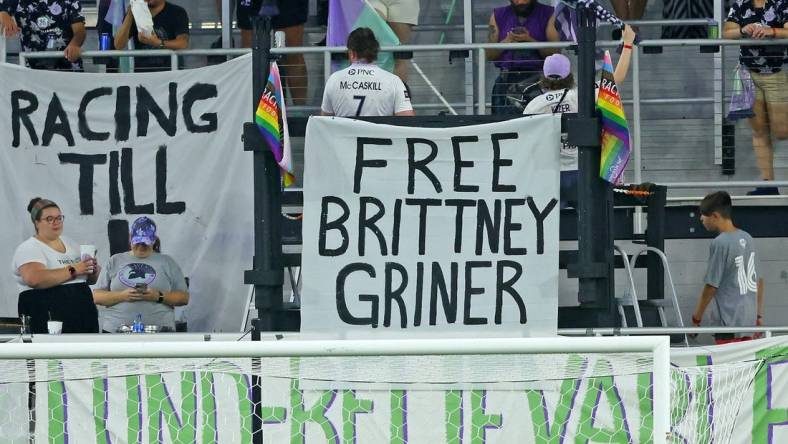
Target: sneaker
{"type": "Point", "coordinates": [764, 191]}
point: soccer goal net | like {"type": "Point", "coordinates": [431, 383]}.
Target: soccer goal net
{"type": "Point", "coordinates": [547, 390]}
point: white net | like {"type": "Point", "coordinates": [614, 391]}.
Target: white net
{"type": "Point", "coordinates": [499, 398]}
{"type": "Point", "coordinates": [706, 400]}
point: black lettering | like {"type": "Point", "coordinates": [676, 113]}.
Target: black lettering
{"type": "Point", "coordinates": [489, 223]}
{"type": "Point", "coordinates": [508, 286]}
{"type": "Point", "coordinates": [459, 164]}
{"type": "Point", "coordinates": [86, 164]}
{"type": "Point", "coordinates": [421, 165]}
{"type": "Point", "coordinates": [127, 181]}
{"type": "Point", "coordinates": [498, 162]}
{"type": "Point", "coordinates": [199, 91]}
{"type": "Point", "coordinates": [361, 163]}
{"type": "Point", "coordinates": [460, 205]}
{"type": "Point", "coordinates": [540, 217]}
{"type": "Point", "coordinates": [448, 300]}
{"type": "Point", "coordinates": [162, 206]}
{"type": "Point", "coordinates": [56, 123]}
{"type": "Point", "coordinates": [419, 293]}
{"type": "Point", "coordinates": [342, 308]}
{"type": "Point", "coordinates": [337, 224]}
{"type": "Point", "coordinates": [114, 192]}
{"type": "Point", "coordinates": [395, 294]}
{"type": "Point", "coordinates": [395, 227]}
{"type": "Point", "coordinates": [146, 105]}
{"type": "Point", "coordinates": [369, 223]}
{"type": "Point", "coordinates": [509, 226]}
{"type": "Point", "coordinates": [122, 113]}
{"type": "Point", "coordinates": [84, 129]}
{"type": "Point", "coordinates": [21, 116]}
{"type": "Point", "coordinates": [423, 204]}
{"type": "Point", "coordinates": [470, 290]}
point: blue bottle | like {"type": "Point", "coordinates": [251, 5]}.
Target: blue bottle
{"type": "Point", "coordinates": [138, 326]}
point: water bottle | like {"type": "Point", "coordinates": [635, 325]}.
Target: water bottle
{"type": "Point", "coordinates": [104, 43]}
{"type": "Point", "coordinates": [138, 326]}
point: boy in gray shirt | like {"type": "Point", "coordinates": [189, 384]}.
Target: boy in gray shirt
{"type": "Point", "coordinates": [732, 282]}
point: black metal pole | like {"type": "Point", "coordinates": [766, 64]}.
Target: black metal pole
{"type": "Point", "coordinates": [267, 274]}
{"type": "Point", "coordinates": [595, 265]}
{"type": "Point", "coordinates": [267, 268]}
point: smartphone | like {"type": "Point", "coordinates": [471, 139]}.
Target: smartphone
{"type": "Point", "coordinates": [141, 288]}
{"type": "Point", "coordinates": [519, 30]}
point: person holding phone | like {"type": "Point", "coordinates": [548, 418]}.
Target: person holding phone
{"type": "Point", "coordinates": [53, 280]}
{"type": "Point", "coordinates": [140, 281]}
{"type": "Point", "coordinates": [521, 21]}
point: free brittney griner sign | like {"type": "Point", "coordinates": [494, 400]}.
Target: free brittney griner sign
{"type": "Point", "coordinates": [431, 229]}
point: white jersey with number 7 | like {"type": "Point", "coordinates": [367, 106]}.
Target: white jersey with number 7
{"type": "Point", "coordinates": [364, 89]}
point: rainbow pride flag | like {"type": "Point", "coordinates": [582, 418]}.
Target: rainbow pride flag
{"type": "Point", "coordinates": [347, 15]}
{"type": "Point", "coordinates": [615, 130]}
{"type": "Point", "coordinates": [271, 120]}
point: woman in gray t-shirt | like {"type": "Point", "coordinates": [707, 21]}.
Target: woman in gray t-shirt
{"type": "Point", "coordinates": [140, 282]}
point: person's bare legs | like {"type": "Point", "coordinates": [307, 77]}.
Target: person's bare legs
{"type": "Point", "coordinates": [778, 119]}
{"type": "Point", "coordinates": [761, 140]}
{"type": "Point", "coordinates": [621, 8]}
{"type": "Point", "coordinates": [404, 31]}
{"type": "Point", "coordinates": [295, 65]}
{"type": "Point", "coordinates": [637, 8]}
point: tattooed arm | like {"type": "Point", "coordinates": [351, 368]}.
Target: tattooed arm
{"type": "Point", "coordinates": [492, 37]}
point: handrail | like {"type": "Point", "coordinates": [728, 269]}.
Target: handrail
{"type": "Point", "coordinates": [402, 48]}
{"type": "Point", "coordinates": [623, 331]}
{"type": "Point", "coordinates": [723, 184]}
{"type": "Point", "coordinates": [633, 291]}
{"type": "Point", "coordinates": [480, 75]}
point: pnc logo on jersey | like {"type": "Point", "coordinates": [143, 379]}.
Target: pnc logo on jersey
{"type": "Point", "coordinates": [743, 243]}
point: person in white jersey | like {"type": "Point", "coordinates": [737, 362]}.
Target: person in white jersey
{"type": "Point", "coordinates": [363, 88]}
{"type": "Point", "coordinates": [559, 95]}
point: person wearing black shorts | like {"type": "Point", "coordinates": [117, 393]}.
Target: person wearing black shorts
{"type": "Point", "coordinates": [291, 19]}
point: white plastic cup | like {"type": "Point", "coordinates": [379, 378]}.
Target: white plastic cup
{"type": "Point", "coordinates": [87, 252]}
{"type": "Point", "coordinates": [55, 327]}
{"type": "Point", "coordinates": [279, 39]}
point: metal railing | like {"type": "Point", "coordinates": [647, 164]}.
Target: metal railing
{"type": "Point", "coordinates": [662, 331]}
{"type": "Point", "coordinates": [476, 88]}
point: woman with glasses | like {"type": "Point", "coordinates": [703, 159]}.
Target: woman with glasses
{"type": "Point", "coordinates": [53, 280]}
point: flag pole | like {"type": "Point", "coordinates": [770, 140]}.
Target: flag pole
{"type": "Point", "coordinates": [594, 267]}
{"type": "Point", "coordinates": [267, 273]}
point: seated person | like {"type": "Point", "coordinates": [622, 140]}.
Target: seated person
{"type": "Point", "coordinates": [141, 281]}
{"type": "Point", "coordinates": [170, 31]}
{"type": "Point", "coordinates": [364, 89]}
{"type": "Point", "coordinates": [520, 21]}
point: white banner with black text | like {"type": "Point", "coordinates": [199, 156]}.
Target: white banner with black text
{"type": "Point", "coordinates": [411, 230]}
{"type": "Point", "coordinates": [108, 148]}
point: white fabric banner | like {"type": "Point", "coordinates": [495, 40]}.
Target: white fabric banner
{"type": "Point", "coordinates": [118, 146]}
{"type": "Point", "coordinates": [431, 229]}
{"type": "Point", "coordinates": [734, 391]}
